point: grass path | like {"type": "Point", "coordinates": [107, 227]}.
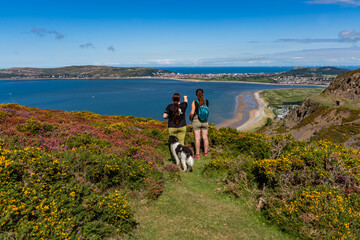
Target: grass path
{"type": "Point", "coordinates": [193, 209]}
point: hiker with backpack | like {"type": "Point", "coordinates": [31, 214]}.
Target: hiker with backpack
{"type": "Point", "coordinates": [199, 116]}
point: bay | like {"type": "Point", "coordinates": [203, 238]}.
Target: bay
{"type": "Point", "coordinates": [136, 97]}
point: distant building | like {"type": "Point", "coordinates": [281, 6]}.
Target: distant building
{"type": "Point", "coordinates": [339, 103]}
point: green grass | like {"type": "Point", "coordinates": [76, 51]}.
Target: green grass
{"type": "Point", "coordinates": [289, 96]}
{"type": "Point", "coordinates": [194, 208]}
{"type": "Point", "coordinates": [329, 101]}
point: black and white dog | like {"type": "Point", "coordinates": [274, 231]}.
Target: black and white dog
{"type": "Point", "coordinates": [182, 154]}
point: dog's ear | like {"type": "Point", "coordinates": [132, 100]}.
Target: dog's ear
{"type": "Point", "coordinates": [172, 139]}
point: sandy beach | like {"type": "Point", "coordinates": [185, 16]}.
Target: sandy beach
{"type": "Point", "coordinates": [254, 114]}
{"type": "Point", "coordinates": [239, 115]}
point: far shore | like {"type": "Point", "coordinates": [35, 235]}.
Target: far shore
{"type": "Point", "coordinates": [177, 79]}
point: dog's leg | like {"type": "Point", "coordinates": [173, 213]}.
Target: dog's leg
{"type": "Point", "coordinates": [190, 163]}
{"type": "Point", "coordinates": [183, 161]}
{"type": "Point", "coordinates": [174, 154]}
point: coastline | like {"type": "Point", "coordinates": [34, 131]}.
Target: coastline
{"type": "Point", "coordinates": [239, 115]}
{"type": "Point", "coordinates": [255, 115]}
{"type": "Point", "coordinates": [177, 79]}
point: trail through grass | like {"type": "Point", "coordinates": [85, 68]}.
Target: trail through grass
{"type": "Point", "coordinates": [194, 209]}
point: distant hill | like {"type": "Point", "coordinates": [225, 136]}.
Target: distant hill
{"type": "Point", "coordinates": [80, 72]}
{"type": "Point", "coordinates": [333, 115]}
{"type": "Point", "coordinates": [346, 85]}
{"type": "Point", "coordinates": [316, 71]}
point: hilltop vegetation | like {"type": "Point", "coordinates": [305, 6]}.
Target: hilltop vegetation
{"type": "Point", "coordinates": [64, 175]}
{"type": "Point", "coordinates": [73, 175]}
{"type": "Point", "coordinates": [70, 175]}
{"type": "Point", "coordinates": [93, 72]}
{"type": "Point", "coordinates": [296, 96]}
{"type": "Point", "coordinates": [315, 71]}
{"type": "Point", "coordinates": [333, 115]}
{"type": "Point", "coordinates": [310, 189]}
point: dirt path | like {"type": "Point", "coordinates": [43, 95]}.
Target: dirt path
{"type": "Point", "coordinates": [194, 209]}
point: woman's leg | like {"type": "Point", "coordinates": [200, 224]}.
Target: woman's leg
{"type": "Point", "coordinates": [197, 142]}
{"type": "Point", "coordinates": [206, 140]}
{"type": "Point", "coordinates": [181, 135]}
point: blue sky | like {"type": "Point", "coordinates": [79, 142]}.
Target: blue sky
{"type": "Point", "coordinates": [180, 33]}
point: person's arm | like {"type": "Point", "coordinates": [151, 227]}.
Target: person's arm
{"type": "Point", "coordinates": [192, 112]}
{"type": "Point", "coordinates": [166, 112]}
{"type": "Point", "coordinates": [185, 99]}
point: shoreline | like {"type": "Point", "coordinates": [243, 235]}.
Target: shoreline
{"type": "Point", "coordinates": [255, 114]}
{"type": "Point", "coordinates": [177, 79]}
{"type": "Point", "coordinates": [239, 115]}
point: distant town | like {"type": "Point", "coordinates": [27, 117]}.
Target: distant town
{"type": "Point", "coordinates": [299, 75]}
{"type": "Point", "coordinates": [276, 78]}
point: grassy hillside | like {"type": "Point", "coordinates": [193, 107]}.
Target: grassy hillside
{"type": "Point", "coordinates": [64, 175]}
{"type": "Point", "coordinates": [310, 189]}
{"type": "Point", "coordinates": [315, 71]}
{"type": "Point", "coordinates": [80, 72]}
{"type": "Point", "coordinates": [295, 96]}
{"type": "Point", "coordinates": [79, 175]}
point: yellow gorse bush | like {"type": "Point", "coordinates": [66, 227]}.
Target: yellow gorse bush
{"type": "Point", "coordinates": [310, 189]}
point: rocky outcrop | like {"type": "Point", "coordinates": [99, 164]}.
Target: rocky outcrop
{"type": "Point", "coordinates": [346, 85]}
{"type": "Point", "coordinates": [323, 118]}
{"type": "Point", "coordinates": [296, 116]}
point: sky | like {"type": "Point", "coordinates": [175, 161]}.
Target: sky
{"type": "Point", "coordinates": [156, 33]}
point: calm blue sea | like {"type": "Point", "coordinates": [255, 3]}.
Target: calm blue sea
{"type": "Point", "coordinates": [136, 97]}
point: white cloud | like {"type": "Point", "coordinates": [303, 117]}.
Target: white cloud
{"type": "Point", "coordinates": [161, 61]}
{"type": "Point", "coordinates": [340, 2]}
{"type": "Point", "coordinates": [349, 33]}
{"type": "Point", "coordinates": [307, 57]}
{"type": "Point", "coordinates": [347, 36]}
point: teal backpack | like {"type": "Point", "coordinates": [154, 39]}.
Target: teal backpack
{"type": "Point", "coordinates": [203, 112]}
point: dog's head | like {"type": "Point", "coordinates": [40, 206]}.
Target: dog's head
{"type": "Point", "coordinates": [173, 139]}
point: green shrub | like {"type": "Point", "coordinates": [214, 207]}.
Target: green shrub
{"type": "Point", "coordinates": [43, 199]}
{"type": "Point", "coordinates": [34, 127]}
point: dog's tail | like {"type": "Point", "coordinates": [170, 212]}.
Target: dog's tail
{"type": "Point", "coordinates": [190, 163]}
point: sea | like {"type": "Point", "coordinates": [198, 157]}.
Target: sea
{"type": "Point", "coordinates": [145, 98]}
